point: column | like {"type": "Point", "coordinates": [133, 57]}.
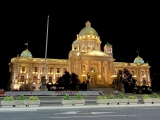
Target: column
{"type": "Point", "coordinates": [106, 72]}
{"type": "Point", "coordinates": [14, 73]}
{"type": "Point", "coordinates": [138, 76]}
{"type": "Point", "coordinates": [110, 72]}
{"type": "Point", "coordinates": [102, 81]}
{"type": "Point", "coordinates": [89, 62]}
{"type": "Point", "coordinates": [79, 69]}
{"type": "Point", "coordinates": [148, 76]}
{"type": "Point", "coordinates": [55, 68]}
{"type": "Point", "coordinates": [28, 71]}
{"type": "Point", "coordinates": [69, 66]}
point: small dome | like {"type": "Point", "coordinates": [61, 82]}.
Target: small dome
{"type": "Point", "coordinates": [88, 30]}
{"type": "Point", "coordinates": [26, 53]}
{"type": "Point", "coordinates": [75, 42]}
{"type": "Point", "coordinates": [138, 60]}
{"type": "Point", "coordinates": [108, 44]}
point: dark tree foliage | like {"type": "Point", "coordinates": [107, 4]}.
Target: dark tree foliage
{"type": "Point", "coordinates": [126, 78]}
{"type": "Point", "coordinates": [129, 81]}
{"type": "Point", "coordinates": [74, 81]}
{"type": "Point", "coordinates": [69, 81]}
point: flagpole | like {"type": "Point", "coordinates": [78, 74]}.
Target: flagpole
{"type": "Point", "coordinates": [137, 52]}
{"type": "Point", "coordinates": [46, 47]}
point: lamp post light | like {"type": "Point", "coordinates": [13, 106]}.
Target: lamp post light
{"type": "Point", "coordinates": [44, 86]}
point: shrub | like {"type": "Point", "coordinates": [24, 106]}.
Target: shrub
{"type": "Point", "coordinates": [21, 97]}
{"type": "Point", "coordinates": [145, 96]}
{"type": "Point", "coordinates": [155, 95]}
{"type": "Point", "coordinates": [101, 97]}
{"type": "Point", "coordinates": [111, 96]}
{"type": "Point", "coordinates": [132, 97]}
{"type": "Point", "coordinates": [67, 97]}
{"type": "Point", "coordinates": [33, 98]}
{"type": "Point", "coordinates": [8, 98]}
{"type": "Point", "coordinates": [79, 97]}
{"type": "Point", "coordinates": [121, 96]}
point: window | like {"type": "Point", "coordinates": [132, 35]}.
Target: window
{"type": "Point", "coordinates": [50, 69]}
{"type": "Point", "coordinates": [22, 79]}
{"type": "Point", "coordinates": [34, 79]}
{"type": "Point", "coordinates": [35, 69]}
{"type": "Point", "coordinates": [58, 70]}
{"type": "Point", "coordinates": [42, 69]}
{"type": "Point", "coordinates": [50, 79]}
{"type": "Point", "coordinates": [23, 68]}
{"type": "Point", "coordinates": [65, 69]}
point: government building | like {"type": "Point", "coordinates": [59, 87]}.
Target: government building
{"type": "Point", "coordinates": [85, 59]}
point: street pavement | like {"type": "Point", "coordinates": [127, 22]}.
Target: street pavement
{"type": "Point", "coordinates": [51, 108]}
{"type": "Point", "coordinates": [87, 112]}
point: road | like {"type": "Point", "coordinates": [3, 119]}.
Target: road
{"type": "Point", "coordinates": [99, 113]}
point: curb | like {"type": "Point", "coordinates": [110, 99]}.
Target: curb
{"type": "Point", "coordinates": [71, 107]}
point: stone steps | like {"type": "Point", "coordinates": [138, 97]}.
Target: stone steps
{"type": "Point", "coordinates": [105, 91]}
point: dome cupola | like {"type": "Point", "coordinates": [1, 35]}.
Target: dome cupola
{"type": "Point", "coordinates": [26, 53]}
{"type": "Point", "coordinates": [88, 30]}
{"type": "Point", "coordinates": [138, 59]}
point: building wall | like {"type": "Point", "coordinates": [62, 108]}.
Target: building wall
{"type": "Point", "coordinates": [29, 71]}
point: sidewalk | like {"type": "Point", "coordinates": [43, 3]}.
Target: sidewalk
{"type": "Point", "coordinates": [71, 107]}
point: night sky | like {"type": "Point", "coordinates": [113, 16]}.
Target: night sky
{"type": "Point", "coordinates": [128, 27]}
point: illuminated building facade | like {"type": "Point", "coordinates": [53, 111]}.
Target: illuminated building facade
{"type": "Point", "coordinates": [85, 59]}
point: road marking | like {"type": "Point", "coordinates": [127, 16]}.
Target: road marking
{"type": "Point", "coordinates": [71, 112]}
{"type": "Point", "coordinates": [101, 112]}
{"type": "Point", "coordinates": [94, 116]}
{"type": "Point", "coordinates": [110, 109]}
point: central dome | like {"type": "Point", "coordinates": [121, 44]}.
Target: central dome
{"type": "Point", "coordinates": [88, 30]}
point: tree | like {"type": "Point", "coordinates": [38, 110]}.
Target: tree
{"type": "Point", "coordinates": [9, 81]}
{"type": "Point", "coordinates": [126, 78]}
{"type": "Point", "coordinates": [75, 82]}
{"type": "Point", "coordinates": [69, 81]}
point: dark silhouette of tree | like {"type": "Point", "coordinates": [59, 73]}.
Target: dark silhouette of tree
{"type": "Point", "coordinates": [118, 79]}
{"type": "Point", "coordinates": [129, 81]}
{"type": "Point", "coordinates": [75, 82]}
{"type": "Point", "coordinates": [126, 78]}
{"type": "Point", "coordinates": [69, 81]}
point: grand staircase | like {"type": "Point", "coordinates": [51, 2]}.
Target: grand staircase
{"type": "Point", "coordinates": [105, 89]}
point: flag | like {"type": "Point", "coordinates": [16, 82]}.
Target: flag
{"type": "Point", "coordinates": [26, 43]}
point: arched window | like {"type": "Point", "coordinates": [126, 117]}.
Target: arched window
{"type": "Point", "coordinates": [58, 70]}
{"type": "Point", "coordinates": [42, 69]}
{"type": "Point", "coordinates": [35, 69]}
{"type": "Point", "coordinates": [144, 82]}
{"type": "Point", "coordinates": [50, 69]}
{"type": "Point", "coordinates": [23, 68]}
{"type": "Point", "coordinates": [34, 79]}
{"type": "Point", "coordinates": [115, 72]}
{"type": "Point", "coordinates": [143, 73]}
{"type": "Point", "coordinates": [65, 69]}
{"type": "Point", "coordinates": [22, 79]}
{"type": "Point", "coordinates": [50, 79]}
